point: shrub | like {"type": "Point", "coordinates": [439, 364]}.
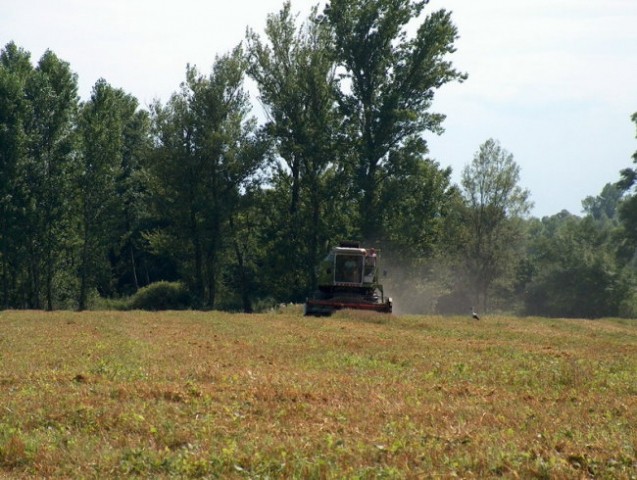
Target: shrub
{"type": "Point", "coordinates": [161, 296]}
{"type": "Point", "coordinates": [103, 303]}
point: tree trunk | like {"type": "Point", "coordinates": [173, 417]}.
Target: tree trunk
{"type": "Point", "coordinates": [368, 209]}
{"type": "Point", "coordinates": [243, 278]}
{"type": "Point", "coordinates": [84, 270]}
{"type": "Point", "coordinates": [198, 257]}
{"type": "Point", "coordinates": [49, 280]}
{"type": "Point", "coordinates": [134, 268]}
{"type": "Point", "coordinates": [5, 273]}
{"type": "Point", "coordinates": [211, 280]}
{"type": "Point", "coordinates": [313, 246]}
{"type": "Point", "coordinates": [34, 280]}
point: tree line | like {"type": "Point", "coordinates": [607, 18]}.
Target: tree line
{"type": "Point", "coordinates": [102, 197]}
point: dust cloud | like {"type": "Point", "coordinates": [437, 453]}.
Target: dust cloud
{"type": "Point", "coordinates": [425, 288]}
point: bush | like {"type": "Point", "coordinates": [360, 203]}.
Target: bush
{"type": "Point", "coordinates": [628, 307]}
{"type": "Point", "coordinates": [161, 296]}
{"type": "Point", "coordinates": [102, 303]}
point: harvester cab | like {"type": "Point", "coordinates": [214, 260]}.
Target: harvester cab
{"type": "Point", "coordinates": [348, 278]}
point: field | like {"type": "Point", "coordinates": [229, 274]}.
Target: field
{"type": "Point", "coordinates": [214, 395]}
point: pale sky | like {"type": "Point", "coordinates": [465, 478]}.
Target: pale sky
{"type": "Point", "coordinates": [552, 80]}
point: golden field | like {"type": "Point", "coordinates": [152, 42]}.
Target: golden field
{"type": "Point", "coordinates": [277, 395]}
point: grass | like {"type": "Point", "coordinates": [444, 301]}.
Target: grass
{"type": "Point", "coordinates": [358, 395]}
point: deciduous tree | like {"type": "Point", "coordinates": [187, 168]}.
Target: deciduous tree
{"type": "Point", "coordinates": [51, 92]}
{"type": "Point", "coordinates": [574, 271]}
{"type": "Point", "coordinates": [207, 153]}
{"type": "Point", "coordinates": [495, 203]}
{"type": "Point", "coordinates": [628, 207]}
{"type": "Point", "coordinates": [387, 87]}
{"type": "Point", "coordinates": [15, 68]}
{"type": "Point", "coordinates": [296, 79]}
{"type": "Point", "coordinates": [102, 124]}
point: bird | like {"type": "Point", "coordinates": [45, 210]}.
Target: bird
{"type": "Point", "coordinates": [474, 314]}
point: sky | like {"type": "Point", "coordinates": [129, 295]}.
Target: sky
{"type": "Point", "coordinates": [552, 80]}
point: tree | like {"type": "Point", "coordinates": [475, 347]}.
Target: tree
{"type": "Point", "coordinates": [128, 255]}
{"type": "Point", "coordinates": [422, 199]}
{"type": "Point", "coordinates": [573, 269]}
{"type": "Point", "coordinates": [37, 118]}
{"type": "Point", "coordinates": [420, 195]}
{"type": "Point", "coordinates": [15, 68]}
{"type": "Point", "coordinates": [629, 175]}
{"type": "Point", "coordinates": [628, 207]}
{"type": "Point", "coordinates": [495, 203]}
{"type": "Point", "coordinates": [51, 91]}
{"type": "Point", "coordinates": [387, 89]}
{"type": "Point", "coordinates": [570, 267]}
{"type": "Point", "coordinates": [296, 80]}
{"type": "Point", "coordinates": [207, 153]}
{"type": "Point", "coordinates": [102, 125]}
{"type": "Point", "coordinates": [604, 206]}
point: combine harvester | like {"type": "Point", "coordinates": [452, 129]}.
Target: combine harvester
{"type": "Point", "coordinates": [348, 278]}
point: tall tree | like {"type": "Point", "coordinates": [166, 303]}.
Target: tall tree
{"type": "Point", "coordinates": [15, 69]}
{"type": "Point", "coordinates": [388, 86]}
{"type": "Point", "coordinates": [495, 203]}
{"type": "Point", "coordinates": [205, 157]}
{"type": "Point", "coordinates": [52, 95]}
{"type": "Point", "coordinates": [128, 255]}
{"type": "Point", "coordinates": [102, 125]}
{"type": "Point", "coordinates": [296, 79]}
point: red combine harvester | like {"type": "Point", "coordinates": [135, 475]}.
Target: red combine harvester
{"type": "Point", "coordinates": [348, 278]}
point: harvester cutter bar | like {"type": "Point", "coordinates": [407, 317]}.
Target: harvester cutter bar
{"type": "Point", "coordinates": [376, 307]}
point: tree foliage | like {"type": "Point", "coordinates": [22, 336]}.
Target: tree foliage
{"type": "Point", "coordinates": [103, 143]}
{"type": "Point", "coordinates": [103, 198]}
{"type": "Point", "coordinates": [52, 94]}
{"type": "Point", "coordinates": [387, 88]}
{"type": "Point", "coordinates": [574, 271]}
{"type": "Point", "coordinates": [15, 67]}
{"type": "Point", "coordinates": [494, 205]}
{"type": "Point", "coordinates": [37, 138]}
{"type": "Point", "coordinates": [295, 75]}
{"type": "Point", "coordinates": [206, 155]}
{"type": "Point", "coordinates": [628, 207]}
